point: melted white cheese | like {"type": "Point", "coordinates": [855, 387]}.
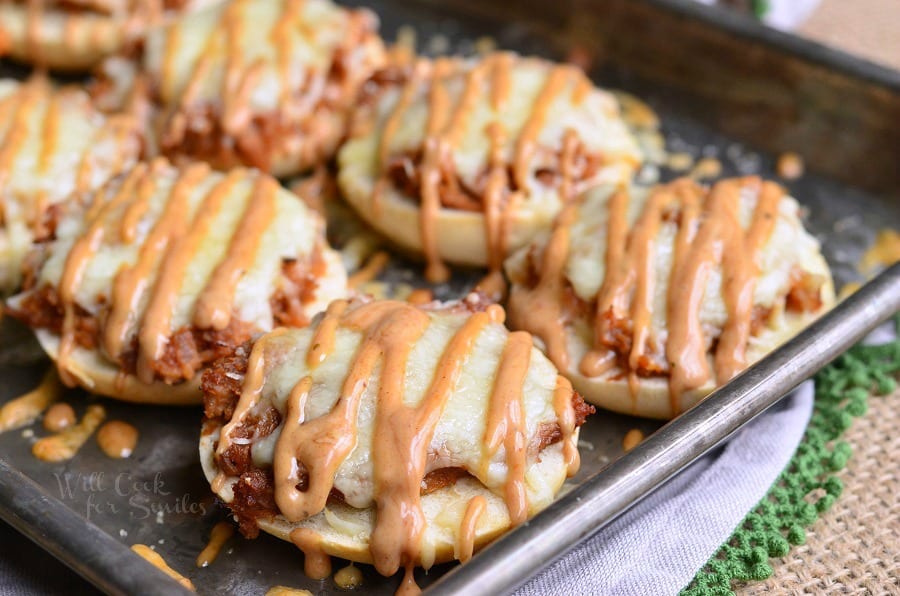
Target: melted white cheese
{"type": "Point", "coordinates": [789, 246]}
{"type": "Point", "coordinates": [312, 38]}
{"type": "Point", "coordinates": [458, 440]}
{"type": "Point", "coordinates": [291, 233]}
{"type": "Point", "coordinates": [50, 137]}
{"type": "Point", "coordinates": [595, 118]}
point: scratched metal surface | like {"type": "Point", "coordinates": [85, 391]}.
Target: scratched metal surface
{"type": "Point", "coordinates": [159, 497]}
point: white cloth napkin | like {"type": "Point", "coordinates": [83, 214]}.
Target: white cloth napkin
{"type": "Point", "coordinates": [659, 545]}
{"type": "Point", "coordinates": [784, 14]}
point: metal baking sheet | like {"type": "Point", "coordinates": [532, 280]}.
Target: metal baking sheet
{"type": "Point", "coordinates": [723, 87]}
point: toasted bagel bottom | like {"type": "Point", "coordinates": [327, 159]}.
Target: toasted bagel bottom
{"type": "Point", "coordinates": [97, 375]}
{"type": "Point", "coordinates": [345, 530]}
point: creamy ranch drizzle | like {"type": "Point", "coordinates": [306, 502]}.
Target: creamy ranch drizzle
{"type": "Point", "coordinates": [446, 126]}
{"type": "Point", "coordinates": [402, 434]}
{"type": "Point", "coordinates": [163, 259]}
{"type": "Point", "coordinates": [709, 235]}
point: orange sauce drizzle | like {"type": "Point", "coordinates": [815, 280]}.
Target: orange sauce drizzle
{"type": "Point", "coordinates": [49, 134]}
{"type": "Point", "coordinates": [316, 562]}
{"type": "Point", "coordinates": [372, 269]}
{"type": "Point", "coordinates": [475, 508]}
{"type": "Point", "coordinates": [709, 234]}
{"type": "Point", "coordinates": [445, 127]}
{"type": "Point", "coordinates": [155, 278]}
{"type": "Point", "coordinates": [59, 417]}
{"type": "Point", "coordinates": [213, 307]}
{"type": "Point", "coordinates": [349, 577]}
{"type": "Point", "coordinates": [156, 325]}
{"type": "Point", "coordinates": [297, 93]}
{"type": "Point", "coordinates": [219, 535]}
{"type": "Point", "coordinates": [25, 409]}
{"type": "Point", "coordinates": [155, 559]}
{"type": "Point", "coordinates": [117, 439]}
{"type": "Point", "coordinates": [402, 434]}
{"type": "Point", "coordinates": [17, 129]}
{"type": "Point", "coordinates": [506, 421]}
{"type": "Point", "coordinates": [286, 591]}
{"type": "Point", "coordinates": [145, 12]}
{"type": "Point", "coordinates": [525, 146]}
{"type": "Point", "coordinates": [65, 445]}
{"type": "Point", "coordinates": [885, 252]}
{"type": "Point", "coordinates": [565, 415]}
{"type": "Point", "coordinates": [632, 439]}
{"type": "Point", "coordinates": [541, 305]}
{"type": "Point", "coordinates": [419, 296]}
{"type": "Point", "coordinates": [77, 260]}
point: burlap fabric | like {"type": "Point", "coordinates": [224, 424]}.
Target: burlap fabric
{"type": "Point", "coordinates": [853, 548]}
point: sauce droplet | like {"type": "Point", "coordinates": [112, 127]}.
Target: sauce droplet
{"type": "Point", "coordinates": [316, 563]}
{"type": "Point", "coordinates": [885, 252]}
{"type": "Point", "coordinates": [286, 591]}
{"type": "Point", "coordinates": [373, 267]}
{"type": "Point", "coordinates": [117, 439]}
{"type": "Point", "coordinates": [420, 296]}
{"type": "Point", "coordinates": [707, 168]}
{"type": "Point", "coordinates": [154, 558]}
{"type": "Point", "coordinates": [789, 166]}
{"type": "Point", "coordinates": [349, 577]}
{"type": "Point", "coordinates": [24, 410]}
{"type": "Point", "coordinates": [65, 445]}
{"type": "Point", "coordinates": [632, 439]}
{"type": "Point", "coordinates": [219, 535]}
{"type": "Point", "coordinates": [59, 417]}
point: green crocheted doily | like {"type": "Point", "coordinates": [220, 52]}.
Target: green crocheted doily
{"type": "Point", "coordinates": [781, 518]}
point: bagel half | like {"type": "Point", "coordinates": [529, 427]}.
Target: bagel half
{"type": "Point", "coordinates": [165, 269]}
{"type": "Point", "coordinates": [261, 83]}
{"type": "Point", "coordinates": [77, 34]}
{"type": "Point", "coordinates": [56, 145]}
{"type": "Point", "coordinates": [466, 160]}
{"type": "Point", "coordinates": [429, 430]}
{"type": "Point", "coordinates": [732, 265]}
